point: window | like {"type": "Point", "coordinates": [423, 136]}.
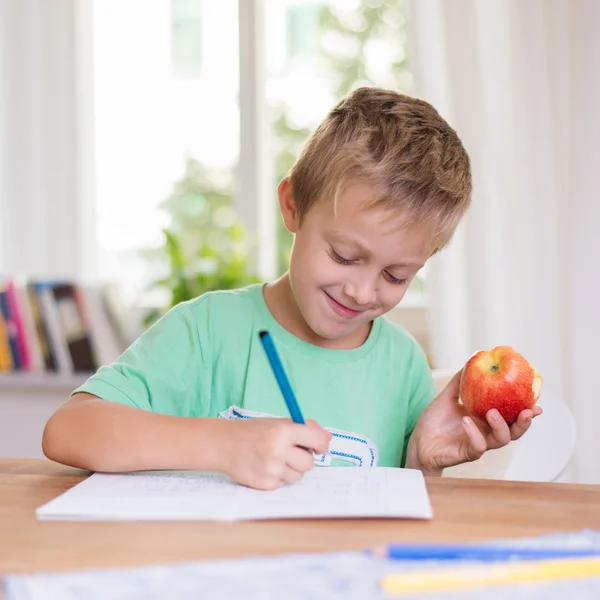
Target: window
{"type": "Point", "coordinates": [330, 47]}
{"type": "Point", "coordinates": [301, 30]}
{"type": "Point", "coordinates": [166, 101]}
{"type": "Point", "coordinates": [186, 37]}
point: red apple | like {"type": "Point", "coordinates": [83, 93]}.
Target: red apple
{"type": "Point", "coordinates": [500, 378]}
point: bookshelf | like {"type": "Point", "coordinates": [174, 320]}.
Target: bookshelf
{"type": "Point", "coordinates": [64, 327]}
{"type": "Point", "coordinates": [41, 382]}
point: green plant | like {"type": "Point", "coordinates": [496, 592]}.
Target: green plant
{"type": "Point", "coordinates": [356, 42]}
{"type": "Point", "coordinates": [205, 245]}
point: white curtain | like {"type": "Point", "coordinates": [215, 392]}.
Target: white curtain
{"type": "Point", "coordinates": [44, 96]}
{"type": "Point", "coordinates": [520, 83]}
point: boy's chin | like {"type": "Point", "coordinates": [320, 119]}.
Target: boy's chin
{"type": "Point", "coordinates": [334, 331]}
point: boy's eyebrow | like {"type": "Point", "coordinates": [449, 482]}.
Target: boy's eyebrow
{"type": "Point", "coordinates": [345, 239]}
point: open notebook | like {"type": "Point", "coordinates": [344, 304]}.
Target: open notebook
{"type": "Point", "coordinates": [205, 496]}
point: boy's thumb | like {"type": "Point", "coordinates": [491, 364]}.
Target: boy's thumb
{"type": "Point", "coordinates": [452, 388]}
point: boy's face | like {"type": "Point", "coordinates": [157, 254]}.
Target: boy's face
{"type": "Point", "coordinates": [350, 265]}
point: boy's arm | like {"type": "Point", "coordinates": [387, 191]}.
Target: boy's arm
{"type": "Point", "coordinates": [100, 435]}
{"type": "Point", "coordinates": [120, 418]}
{"type": "Point", "coordinates": [422, 393]}
{"type": "Point", "coordinates": [150, 411]}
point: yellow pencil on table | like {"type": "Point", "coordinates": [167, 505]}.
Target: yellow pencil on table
{"type": "Point", "coordinates": [489, 574]}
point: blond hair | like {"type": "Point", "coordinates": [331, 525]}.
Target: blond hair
{"type": "Point", "coordinates": [398, 144]}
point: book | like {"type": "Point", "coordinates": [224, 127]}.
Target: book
{"type": "Point", "coordinates": [52, 321]}
{"type": "Point", "coordinates": [117, 313]}
{"type": "Point", "coordinates": [11, 331]}
{"type": "Point", "coordinates": [48, 358]}
{"type": "Point", "coordinates": [324, 492]}
{"type": "Point", "coordinates": [33, 342]}
{"type": "Point", "coordinates": [73, 328]}
{"type": "Point", "coordinates": [22, 344]}
{"type": "Point", "coordinates": [6, 364]}
{"type": "Point", "coordinates": [106, 343]}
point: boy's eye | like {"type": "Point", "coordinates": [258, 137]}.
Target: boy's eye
{"type": "Point", "coordinates": [393, 279]}
{"type": "Point", "coordinates": [340, 259]}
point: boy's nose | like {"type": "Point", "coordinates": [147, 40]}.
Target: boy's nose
{"type": "Point", "coordinates": [362, 293]}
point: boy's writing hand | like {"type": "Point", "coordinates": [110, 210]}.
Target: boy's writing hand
{"type": "Point", "coordinates": [445, 434]}
{"type": "Point", "coordinates": [267, 453]}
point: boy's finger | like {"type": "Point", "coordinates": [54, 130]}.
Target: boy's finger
{"type": "Point", "coordinates": [522, 424]}
{"type": "Point", "coordinates": [315, 438]}
{"type": "Point", "coordinates": [500, 429]}
{"type": "Point", "coordinates": [291, 475]}
{"type": "Point", "coordinates": [315, 425]}
{"type": "Point", "coordinates": [451, 389]}
{"type": "Point", "coordinates": [477, 443]}
{"type": "Point", "coordinates": [300, 460]}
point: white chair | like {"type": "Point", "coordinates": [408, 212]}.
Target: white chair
{"type": "Point", "coordinates": [542, 454]}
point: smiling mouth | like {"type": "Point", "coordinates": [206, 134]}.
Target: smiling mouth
{"type": "Point", "coordinates": [341, 309]}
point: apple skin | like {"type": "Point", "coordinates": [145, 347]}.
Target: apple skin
{"type": "Point", "coordinates": [500, 378]}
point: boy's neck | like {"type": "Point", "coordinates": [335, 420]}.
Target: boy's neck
{"type": "Point", "coordinates": [281, 302]}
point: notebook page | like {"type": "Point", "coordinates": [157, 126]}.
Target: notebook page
{"type": "Point", "coordinates": [346, 492]}
{"type": "Point", "coordinates": [194, 495]}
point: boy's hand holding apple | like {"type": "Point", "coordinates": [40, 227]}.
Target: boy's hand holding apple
{"type": "Point", "coordinates": [498, 390]}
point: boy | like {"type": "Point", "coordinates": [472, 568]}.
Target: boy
{"type": "Point", "coordinates": [380, 186]}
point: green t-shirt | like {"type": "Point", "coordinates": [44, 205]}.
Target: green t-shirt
{"type": "Point", "coordinates": [204, 358]}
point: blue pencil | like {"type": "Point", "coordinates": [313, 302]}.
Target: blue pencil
{"type": "Point", "coordinates": [282, 380]}
{"type": "Point", "coordinates": [477, 552]}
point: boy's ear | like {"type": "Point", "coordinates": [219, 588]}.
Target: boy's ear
{"type": "Point", "coordinates": [287, 205]}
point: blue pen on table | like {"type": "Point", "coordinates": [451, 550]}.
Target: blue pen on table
{"type": "Point", "coordinates": [282, 380]}
{"type": "Point", "coordinates": [477, 552]}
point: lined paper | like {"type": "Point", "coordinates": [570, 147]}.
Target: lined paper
{"type": "Point", "coordinates": [328, 492]}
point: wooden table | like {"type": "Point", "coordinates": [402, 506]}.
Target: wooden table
{"type": "Point", "coordinates": [464, 509]}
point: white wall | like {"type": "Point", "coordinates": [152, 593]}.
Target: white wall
{"type": "Point", "coordinates": [25, 406]}
{"type": "Point", "coordinates": [42, 224]}
{"type": "Point", "coordinates": [583, 275]}
{"type": "Point", "coordinates": [39, 211]}
{"type": "Point", "coordinates": [519, 81]}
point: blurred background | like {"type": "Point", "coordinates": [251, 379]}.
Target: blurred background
{"type": "Point", "coordinates": [141, 144]}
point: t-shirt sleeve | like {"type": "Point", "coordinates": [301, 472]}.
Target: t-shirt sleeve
{"type": "Point", "coordinates": [422, 392]}
{"type": "Point", "coordinates": [164, 370]}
